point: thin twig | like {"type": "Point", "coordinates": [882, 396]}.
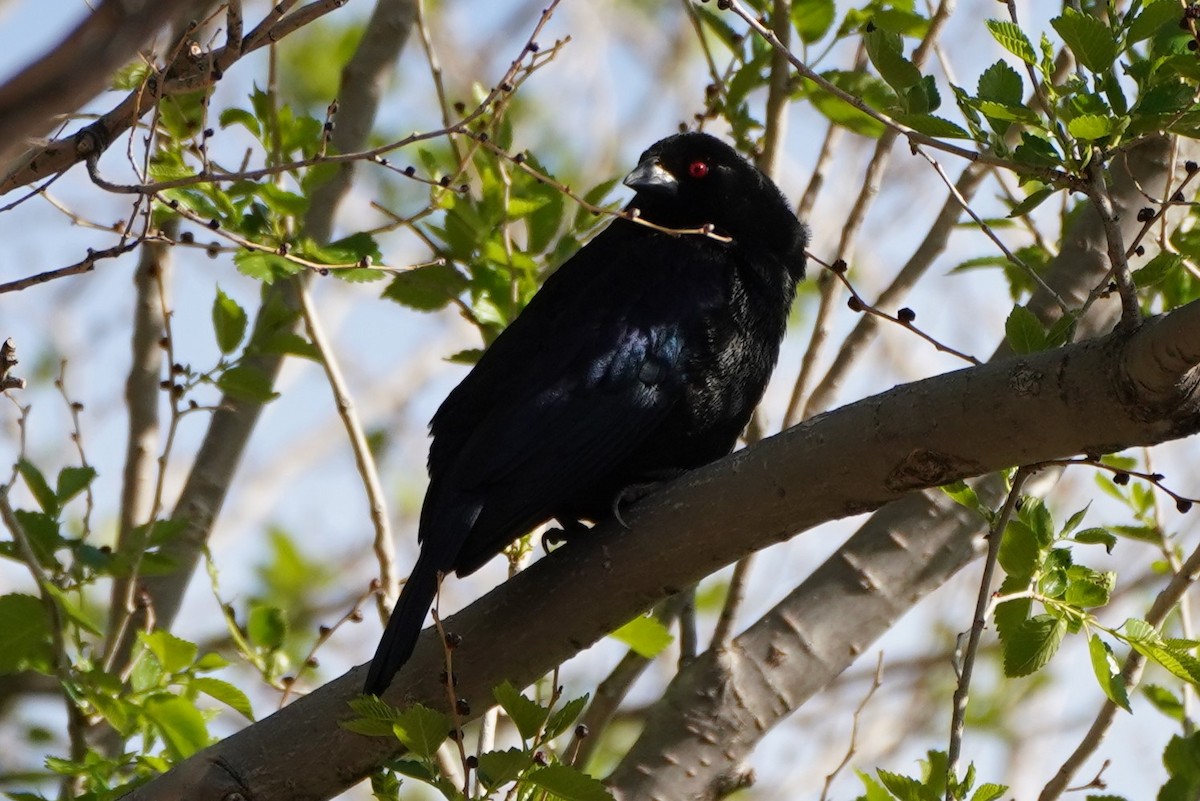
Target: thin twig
{"type": "Point", "coordinates": [723, 633]}
{"type": "Point", "coordinates": [1171, 555]}
{"type": "Point", "coordinates": [1098, 193]}
{"type": "Point", "coordinates": [987, 229]}
{"type": "Point", "coordinates": [904, 318]}
{"type": "Point", "coordinates": [852, 747]}
{"type": "Point", "coordinates": [383, 544]}
{"type": "Point", "coordinates": [961, 692]}
{"type": "Point", "coordinates": [1048, 175]}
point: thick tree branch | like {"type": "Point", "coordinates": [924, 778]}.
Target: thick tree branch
{"type": "Point", "coordinates": [190, 69]}
{"type": "Point", "coordinates": [80, 66]}
{"type": "Point", "coordinates": [1077, 399]}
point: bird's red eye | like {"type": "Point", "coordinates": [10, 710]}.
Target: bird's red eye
{"type": "Point", "coordinates": [698, 168]}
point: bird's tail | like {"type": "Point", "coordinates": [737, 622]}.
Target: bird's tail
{"type": "Point", "coordinates": [403, 628]}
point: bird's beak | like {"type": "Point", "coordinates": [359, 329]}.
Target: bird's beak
{"type": "Point", "coordinates": [652, 177]}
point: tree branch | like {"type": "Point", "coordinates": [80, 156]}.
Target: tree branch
{"type": "Point", "coordinates": [80, 66]}
{"type": "Point", "coordinates": [1076, 399]}
{"type": "Point", "coordinates": [190, 70]}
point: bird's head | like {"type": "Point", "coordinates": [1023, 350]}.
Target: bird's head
{"type": "Point", "coordinates": [693, 179]}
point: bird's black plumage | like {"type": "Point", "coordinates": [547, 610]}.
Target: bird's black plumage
{"type": "Point", "coordinates": [641, 356]}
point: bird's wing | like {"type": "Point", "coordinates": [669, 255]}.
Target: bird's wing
{"type": "Point", "coordinates": [565, 396]}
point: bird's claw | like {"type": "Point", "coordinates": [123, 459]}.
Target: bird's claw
{"type": "Point", "coordinates": [636, 492]}
{"type": "Point", "coordinates": [557, 536]}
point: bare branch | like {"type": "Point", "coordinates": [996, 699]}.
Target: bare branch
{"type": "Point", "coordinates": [385, 548]}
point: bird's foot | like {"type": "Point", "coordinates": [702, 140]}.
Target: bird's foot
{"type": "Point", "coordinates": [628, 496]}
{"type": "Point", "coordinates": [557, 536]}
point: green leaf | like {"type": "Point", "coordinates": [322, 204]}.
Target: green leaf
{"type": "Point", "coordinates": [897, 19]}
{"type": "Point", "coordinates": [72, 481]}
{"type": "Point", "coordinates": [887, 54]}
{"type": "Point", "coordinates": [375, 717]}
{"type": "Point", "coordinates": [1089, 127]}
{"type": "Point", "coordinates": [989, 792]}
{"type": "Point", "coordinates": [1001, 83]}
{"type": "Point", "coordinates": [1138, 631]}
{"type": "Point", "coordinates": [962, 494]}
{"type": "Point", "coordinates": [265, 267]}
{"type": "Point", "coordinates": [229, 322]}
{"type": "Point", "coordinates": [497, 768]}
{"type": "Point", "coordinates": [1108, 673]}
{"type": "Point", "coordinates": [1168, 97]}
{"type": "Point", "coordinates": [1074, 520]}
{"type": "Point", "coordinates": [1013, 39]}
{"type": "Point", "coordinates": [1097, 536]}
{"type": "Point", "coordinates": [347, 250]}
{"type": "Point", "coordinates": [427, 288]}
{"type": "Point", "coordinates": [932, 125]}
{"type": "Point", "coordinates": [1157, 269]}
{"type": "Point", "coordinates": [288, 343]}
{"type": "Point", "coordinates": [812, 18]}
{"type": "Point", "coordinates": [1032, 645]}
{"type": "Point", "coordinates": [1178, 662]}
{"type": "Point", "coordinates": [224, 692]}
{"type": "Point", "coordinates": [1148, 534]}
{"type": "Point", "coordinates": [267, 626]}
{"type": "Point", "coordinates": [42, 530]}
{"type": "Point", "coordinates": [875, 790]}
{"type": "Point", "coordinates": [1019, 550]}
{"type": "Point", "coordinates": [281, 201]}
{"type": "Point", "coordinates": [563, 718]}
{"type": "Point", "coordinates": [1090, 40]}
{"type": "Point", "coordinates": [1037, 516]}
{"type": "Point", "coordinates": [421, 729]}
{"type": "Point", "coordinates": [1005, 113]}
{"type": "Point", "coordinates": [1010, 615]}
{"type": "Point", "coordinates": [71, 609]}
{"type": "Point", "coordinates": [874, 92]}
{"type": "Point", "coordinates": [1182, 759]}
{"type": "Point", "coordinates": [528, 716]}
{"type": "Point", "coordinates": [1154, 17]}
{"type": "Point", "coordinates": [240, 116]}
{"type": "Point", "coordinates": [180, 724]}
{"type": "Point", "coordinates": [1164, 701]}
{"type": "Point", "coordinates": [569, 784]}
{"type": "Point", "coordinates": [25, 641]}
{"type": "Point", "coordinates": [1024, 331]}
{"type": "Point", "coordinates": [1036, 151]}
{"type": "Point", "coordinates": [646, 636]}
{"type": "Point", "coordinates": [902, 787]}
{"type": "Point", "coordinates": [1089, 588]}
{"type": "Point", "coordinates": [247, 383]}
{"type": "Point", "coordinates": [46, 497]}
{"type": "Point", "coordinates": [1032, 201]}
{"type": "Point", "coordinates": [173, 653]}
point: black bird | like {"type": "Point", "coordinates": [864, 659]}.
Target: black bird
{"type": "Point", "coordinates": [642, 356]}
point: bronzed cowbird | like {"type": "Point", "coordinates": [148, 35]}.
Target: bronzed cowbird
{"type": "Point", "coordinates": [642, 356]}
